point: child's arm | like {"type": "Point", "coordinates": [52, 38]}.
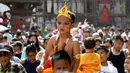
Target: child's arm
{"type": "Point", "coordinates": [48, 52]}
{"type": "Point", "coordinates": [76, 52]}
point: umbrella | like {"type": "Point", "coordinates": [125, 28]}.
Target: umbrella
{"type": "Point", "coordinates": [3, 28]}
{"type": "Point", "coordinates": [3, 7]}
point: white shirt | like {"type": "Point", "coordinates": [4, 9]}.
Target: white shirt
{"type": "Point", "coordinates": [109, 69]}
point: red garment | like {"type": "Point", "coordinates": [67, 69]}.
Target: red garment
{"type": "Point", "coordinates": [104, 16]}
{"type": "Point", "coordinates": [18, 25]}
{"type": "Point", "coordinates": [47, 64]}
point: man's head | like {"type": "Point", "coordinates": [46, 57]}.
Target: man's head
{"type": "Point", "coordinates": [103, 51]}
{"type": "Point", "coordinates": [17, 46]}
{"type": "Point", "coordinates": [118, 42]}
{"type": "Point", "coordinates": [61, 61]}
{"type": "Point", "coordinates": [5, 54]}
{"type": "Point", "coordinates": [89, 43]}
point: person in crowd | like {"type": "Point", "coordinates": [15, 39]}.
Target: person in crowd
{"type": "Point", "coordinates": [30, 63]}
{"type": "Point", "coordinates": [6, 65]}
{"type": "Point", "coordinates": [63, 40]}
{"type": "Point", "coordinates": [106, 66]}
{"type": "Point", "coordinates": [98, 42]}
{"type": "Point", "coordinates": [61, 62]}
{"type": "Point", "coordinates": [32, 39]}
{"type": "Point", "coordinates": [89, 61]}
{"type": "Point", "coordinates": [106, 33]}
{"type": "Point", "coordinates": [18, 34]}
{"type": "Point", "coordinates": [38, 34]}
{"type": "Point", "coordinates": [17, 48]}
{"type": "Point", "coordinates": [5, 40]}
{"type": "Point", "coordinates": [9, 36]}
{"type": "Point", "coordinates": [108, 42]}
{"type": "Point", "coordinates": [117, 54]}
{"type": "Point", "coordinates": [127, 64]}
{"type": "Point", "coordinates": [1, 38]}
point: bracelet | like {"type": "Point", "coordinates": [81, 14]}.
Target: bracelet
{"type": "Point", "coordinates": [77, 56]}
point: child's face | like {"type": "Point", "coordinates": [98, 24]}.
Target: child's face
{"type": "Point", "coordinates": [103, 55]}
{"type": "Point", "coordinates": [31, 56]}
{"type": "Point", "coordinates": [127, 64]}
{"type": "Point", "coordinates": [61, 66]}
{"type": "Point", "coordinates": [64, 24]}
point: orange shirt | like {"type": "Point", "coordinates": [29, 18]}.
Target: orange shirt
{"type": "Point", "coordinates": [89, 63]}
{"type": "Point", "coordinates": [50, 70]}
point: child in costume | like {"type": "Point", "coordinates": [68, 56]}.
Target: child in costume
{"type": "Point", "coordinates": [64, 40]}
{"type": "Point", "coordinates": [61, 63]}
{"type": "Point", "coordinates": [89, 61]}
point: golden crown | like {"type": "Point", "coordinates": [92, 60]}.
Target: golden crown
{"type": "Point", "coordinates": [64, 12]}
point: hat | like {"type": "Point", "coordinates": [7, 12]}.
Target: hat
{"type": "Point", "coordinates": [5, 48]}
{"type": "Point", "coordinates": [17, 43]}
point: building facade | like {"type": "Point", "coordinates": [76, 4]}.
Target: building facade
{"type": "Point", "coordinates": [97, 12]}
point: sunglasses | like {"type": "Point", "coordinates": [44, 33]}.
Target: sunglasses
{"type": "Point", "coordinates": [4, 54]}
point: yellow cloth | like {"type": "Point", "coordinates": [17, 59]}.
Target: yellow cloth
{"type": "Point", "coordinates": [50, 70]}
{"type": "Point", "coordinates": [64, 12]}
{"type": "Point", "coordinates": [90, 63]}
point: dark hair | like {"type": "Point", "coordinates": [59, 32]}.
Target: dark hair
{"type": "Point", "coordinates": [30, 48]}
{"type": "Point", "coordinates": [118, 37]}
{"type": "Point", "coordinates": [103, 47]}
{"type": "Point", "coordinates": [109, 40]}
{"type": "Point", "coordinates": [89, 43]}
{"type": "Point", "coordinates": [29, 42]}
{"type": "Point", "coordinates": [72, 15]}
{"type": "Point", "coordinates": [98, 40]}
{"type": "Point", "coordinates": [59, 56]}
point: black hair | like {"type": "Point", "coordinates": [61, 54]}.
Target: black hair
{"type": "Point", "coordinates": [118, 37]}
{"type": "Point", "coordinates": [98, 40]}
{"type": "Point", "coordinates": [72, 15]}
{"type": "Point", "coordinates": [109, 40]}
{"type": "Point", "coordinates": [30, 48]}
{"type": "Point", "coordinates": [29, 42]}
{"type": "Point", "coordinates": [103, 47]}
{"type": "Point", "coordinates": [89, 43]}
{"type": "Point", "coordinates": [59, 56]}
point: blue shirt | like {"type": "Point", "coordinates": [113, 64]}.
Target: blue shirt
{"type": "Point", "coordinates": [31, 67]}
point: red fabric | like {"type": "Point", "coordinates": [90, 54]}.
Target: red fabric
{"type": "Point", "coordinates": [4, 17]}
{"type": "Point", "coordinates": [104, 16]}
{"type": "Point", "coordinates": [18, 25]}
{"type": "Point", "coordinates": [47, 64]}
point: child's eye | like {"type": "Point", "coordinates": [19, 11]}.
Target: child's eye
{"type": "Point", "coordinates": [59, 23]}
{"type": "Point", "coordinates": [66, 23]}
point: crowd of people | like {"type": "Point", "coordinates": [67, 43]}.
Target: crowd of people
{"type": "Point", "coordinates": [69, 49]}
